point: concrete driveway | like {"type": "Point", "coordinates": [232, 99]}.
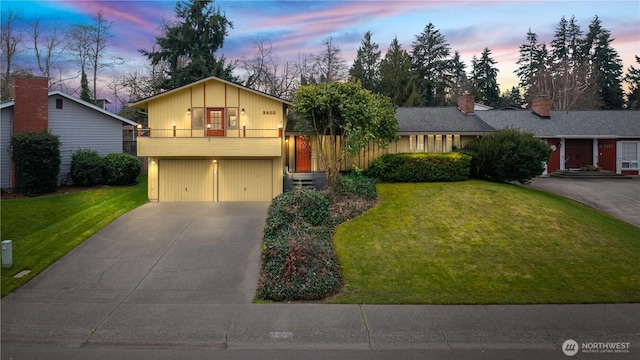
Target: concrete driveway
{"type": "Point", "coordinates": [159, 253]}
{"type": "Point", "coordinates": [616, 197]}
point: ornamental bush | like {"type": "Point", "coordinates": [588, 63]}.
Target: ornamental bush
{"type": "Point", "coordinates": [508, 155]}
{"type": "Point", "coordinates": [421, 167]}
{"type": "Point", "coordinates": [37, 162]}
{"type": "Point", "coordinates": [86, 167]}
{"type": "Point", "coordinates": [121, 169]}
{"type": "Point", "coordinates": [298, 259]}
{"type": "Point", "coordinates": [356, 183]}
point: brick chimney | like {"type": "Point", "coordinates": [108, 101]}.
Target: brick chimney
{"type": "Point", "coordinates": [31, 104]}
{"type": "Point", "coordinates": [541, 106]}
{"type": "Point", "coordinates": [466, 103]}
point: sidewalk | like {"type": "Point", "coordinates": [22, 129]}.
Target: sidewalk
{"type": "Point", "coordinates": [315, 327]}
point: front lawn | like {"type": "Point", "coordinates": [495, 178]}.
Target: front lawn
{"type": "Point", "coordinates": [478, 242]}
{"type": "Point", "coordinates": [43, 229]}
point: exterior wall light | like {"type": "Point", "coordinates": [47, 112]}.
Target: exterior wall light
{"type": "Point", "coordinates": [242, 112]}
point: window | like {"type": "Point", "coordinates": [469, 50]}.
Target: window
{"type": "Point", "coordinates": [232, 121]}
{"type": "Point", "coordinates": [58, 103]}
{"type": "Point", "coordinates": [197, 118]}
{"type": "Point", "coordinates": [629, 155]}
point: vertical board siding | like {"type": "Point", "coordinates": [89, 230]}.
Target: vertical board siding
{"type": "Point", "coordinates": [245, 180]}
{"type": "Point", "coordinates": [5, 139]}
{"type": "Point", "coordinates": [186, 180]}
{"type": "Point", "coordinates": [80, 127]}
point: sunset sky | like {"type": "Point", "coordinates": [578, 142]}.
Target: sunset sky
{"type": "Point", "coordinates": [300, 26]}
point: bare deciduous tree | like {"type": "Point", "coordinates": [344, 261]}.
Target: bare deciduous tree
{"type": "Point", "coordinates": [267, 73]}
{"type": "Point", "coordinates": [49, 45]}
{"type": "Point", "coordinates": [10, 40]}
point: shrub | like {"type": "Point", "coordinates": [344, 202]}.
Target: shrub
{"type": "Point", "coordinates": [421, 167]}
{"type": "Point", "coordinates": [508, 155]}
{"type": "Point", "coordinates": [356, 183]}
{"type": "Point", "coordinates": [121, 169]}
{"type": "Point", "coordinates": [298, 260]}
{"type": "Point", "coordinates": [37, 162]}
{"type": "Point", "coordinates": [86, 167]}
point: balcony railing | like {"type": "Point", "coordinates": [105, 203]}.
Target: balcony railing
{"type": "Point", "coordinates": [198, 133]}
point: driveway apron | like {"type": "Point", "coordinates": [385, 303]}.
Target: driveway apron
{"type": "Point", "coordinates": [159, 253]}
{"type": "Point", "coordinates": [619, 197]}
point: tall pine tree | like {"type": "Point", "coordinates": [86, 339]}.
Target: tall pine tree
{"type": "Point", "coordinates": [605, 66]}
{"type": "Point", "coordinates": [633, 79]}
{"type": "Point", "coordinates": [366, 66]}
{"type": "Point", "coordinates": [189, 47]}
{"type": "Point", "coordinates": [429, 56]}
{"type": "Point", "coordinates": [396, 78]}
{"type": "Point", "coordinates": [485, 79]}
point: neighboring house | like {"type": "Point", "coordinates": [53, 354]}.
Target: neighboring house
{"type": "Point", "coordinates": [595, 139]}
{"type": "Point", "coordinates": [78, 124]}
{"type": "Point", "coordinates": [420, 129]}
{"type": "Point", "coordinates": [213, 140]}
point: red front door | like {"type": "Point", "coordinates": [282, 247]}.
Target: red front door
{"type": "Point", "coordinates": [215, 122]}
{"type": "Point", "coordinates": [578, 152]}
{"type": "Point", "coordinates": [607, 154]}
{"type": "Point", "coordinates": [303, 154]}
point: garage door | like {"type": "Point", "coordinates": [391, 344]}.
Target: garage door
{"type": "Point", "coordinates": [245, 180]}
{"type": "Point", "coordinates": [185, 180]}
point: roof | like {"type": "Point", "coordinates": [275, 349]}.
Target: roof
{"type": "Point", "coordinates": [439, 120]}
{"type": "Point", "coordinates": [143, 102]}
{"type": "Point", "coordinates": [568, 124]}
{"type": "Point", "coordinates": [9, 104]}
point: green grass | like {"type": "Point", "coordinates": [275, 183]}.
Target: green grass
{"type": "Point", "coordinates": [43, 229]}
{"type": "Point", "coordinates": [477, 242]}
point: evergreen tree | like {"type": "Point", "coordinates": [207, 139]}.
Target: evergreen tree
{"type": "Point", "coordinates": [85, 93]}
{"type": "Point", "coordinates": [533, 70]}
{"type": "Point", "coordinates": [570, 90]}
{"type": "Point", "coordinates": [459, 80]}
{"type": "Point", "coordinates": [429, 56]}
{"type": "Point", "coordinates": [366, 66]}
{"type": "Point", "coordinates": [605, 66]}
{"type": "Point", "coordinates": [189, 47]}
{"type": "Point", "coordinates": [485, 79]}
{"type": "Point", "coordinates": [397, 80]}
{"type": "Point", "coordinates": [511, 97]}
{"type": "Point", "coordinates": [633, 79]}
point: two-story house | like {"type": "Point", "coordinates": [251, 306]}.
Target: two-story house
{"type": "Point", "coordinates": [213, 140]}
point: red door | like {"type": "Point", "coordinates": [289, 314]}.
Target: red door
{"type": "Point", "coordinates": [607, 154]}
{"type": "Point", "coordinates": [303, 154]}
{"type": "Point", "coordinates": [215, 122]}
{"type": "Point", "coordinates": [579, 152]}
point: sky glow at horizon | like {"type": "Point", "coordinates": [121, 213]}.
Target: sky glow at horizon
{"type": "Point", "coordinates": [294, 27]}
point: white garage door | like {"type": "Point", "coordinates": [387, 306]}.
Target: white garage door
{"type": "Point", "coordinates": [186, 180]}
{"type": "Point", "coordinates": [245, 180]}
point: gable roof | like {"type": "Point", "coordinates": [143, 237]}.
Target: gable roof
{"type": "Point", "coordinates": [11, 103]}
{"type": "Point", "coordinates": [439, 120]}
{"type": "Point", "coordinates": [142, 103]}
{"type": "Point", "coordinates": [568, 124]}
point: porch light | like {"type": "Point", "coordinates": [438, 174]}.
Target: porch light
{"type": "Point", "coordinates": [242, 113]}
{"type": "Point", "coordinates": [189, 111]}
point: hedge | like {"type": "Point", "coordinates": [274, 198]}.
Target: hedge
{"type": "Point", "coordinates": [421, 167]}
{"type": "Point", "coordinates": [36, 156]}
{"type": "Point", "coordinates": [86, 167]}
{"type": "Point", "coordinates": [508, 155]}
{"type": "Point", "coordinates": [298, 259]}
{"type": "Point", "coordinates": [121, 169]}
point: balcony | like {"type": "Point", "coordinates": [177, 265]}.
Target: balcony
{"type": "Point", "coordinates": [174, 142]}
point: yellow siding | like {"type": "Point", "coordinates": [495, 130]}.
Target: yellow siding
{"type": "Point", "coordinates": [245, 180]}
{"type": "Point", "coordinates": [232, 96]}
{"type": "Point", "coordinates": [166, 111]}
{"type": "Point", "coordinates": [210, 147]}
{"type": "Point", "coordinates": [186, 180]}
{"type": "Point", "coordinates": [152, 178]}
{"type": "Point", "coordinates": [197, 95]}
